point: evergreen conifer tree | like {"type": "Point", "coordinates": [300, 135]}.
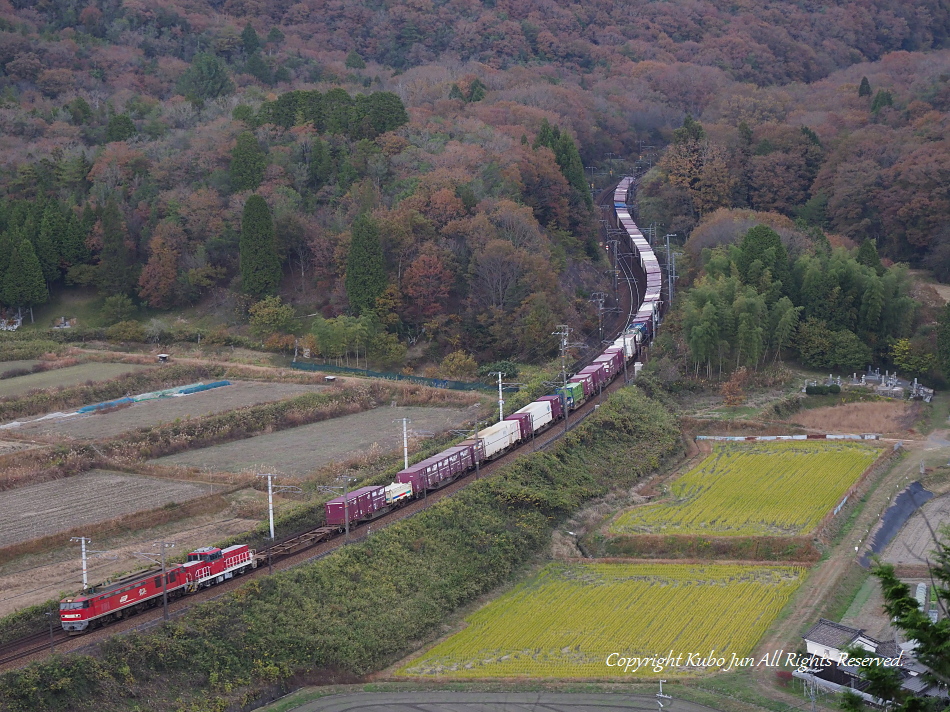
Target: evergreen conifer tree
{"type": "Point", "coordinates": [477, 91]}
{"type": "Point", "coordinates": [943, 340]}
{"type": "Point", "coordinates": [44, 241]}
{"type": "Point", "coordinates": [120, 128]}
{"type": "Point", "coordinates": [73, 246]}
{"type": "Point", "coordinates": [257, 68]}
{"type": "Point", "coordinates": [251, 41]}
{"type": "Point", "coordinates": [7, 243]}
{"type": "Point", "coordinates": [569, 160]}
{"type": "Point", "coordinates": [691, 130]}
{"type": "Point", "coordinates": [24, 284]}
{"type": "Point", "coordinates": [365, 270]}
{"type": "Point", "coordinates": [247, 163]}
{"type": "Point", "coordinates": [115, 273]}
{"type": "Point", "coordinates": [881, 99]}
{"type": "Point", "coordinates": [865, 88]}
{"type": "Point", "coordinates": [867, 256]}
{"type": "Point", "coordinates": [354, 61]}
{"type": "Point", "coordinates": [320, 169]}
{"type": "Point", "coordinates": [260, 265]}
{"type": "Point", "coordinates": [206, 78]}
{"type": "Point", "coordinates": [52, 236]}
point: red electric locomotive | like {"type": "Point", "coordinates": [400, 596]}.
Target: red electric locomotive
{"type": "Point", "coordinates": [205, 567]}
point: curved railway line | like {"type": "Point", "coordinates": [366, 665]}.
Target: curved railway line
{"type": "Point", "coordinates": [317, 543]}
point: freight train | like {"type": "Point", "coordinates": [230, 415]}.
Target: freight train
{"type": "Point", "coordinates": [367, 503]}
{"type": "Point", "coordinates": [208, 566]}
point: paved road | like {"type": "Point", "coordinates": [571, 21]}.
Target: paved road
{"type": "Point", "coordinates": [493, 702]}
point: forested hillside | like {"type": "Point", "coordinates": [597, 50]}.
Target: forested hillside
{"type": "Point", "coordinates": [423, 166]}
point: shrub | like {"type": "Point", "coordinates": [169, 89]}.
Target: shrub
{"type": "Point", "coordinates": [14, 372]}
{"type": "Point", "coordinates": [459, 365]}
{"type": "Point", "coordinates": [834, 388]}
{"type": "Point", "coordinates": [116, 309]}
{"type": "Point", "coordinates": [816, 390]}
{"type": "Point", "coordinates": [126, 331]}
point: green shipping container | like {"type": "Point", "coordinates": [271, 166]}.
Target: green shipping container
{"type": "Point", "coordinates": [573, 393]}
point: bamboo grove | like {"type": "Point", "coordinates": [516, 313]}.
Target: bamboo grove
{"type": "Point", "coordinates": [832, 308]}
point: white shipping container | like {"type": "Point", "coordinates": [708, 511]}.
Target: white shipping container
{"type": "Point", "coordinates": [540, 413]}
{"type": "Point", "coordinates": [499, 436]}
{"type": "Point", "coordinates": [397, 491]}
{"type": "Point", "coordinates": [627, 342]}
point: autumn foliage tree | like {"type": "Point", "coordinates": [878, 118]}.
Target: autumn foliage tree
{"type": "Point", "coordinates": [427, 284]}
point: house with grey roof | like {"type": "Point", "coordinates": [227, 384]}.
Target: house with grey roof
{"type": "Point", "coordinates": [829, 640]}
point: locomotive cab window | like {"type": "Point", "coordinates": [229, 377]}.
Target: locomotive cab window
{"type": "Point", "coordinates": [158, 581]}
{"type": "Point", "coordinates": [73, 605]}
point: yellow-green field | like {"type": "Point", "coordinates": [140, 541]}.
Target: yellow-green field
{"type": "Point", "coordinates": [566, 621]}
{"type": "Point", "coordinates": [754, 490]}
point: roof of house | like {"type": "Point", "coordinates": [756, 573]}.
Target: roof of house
{"type": "Point", "coordinates": [831, 634]}
{"type": "Point", "coordinates": [888, 649]}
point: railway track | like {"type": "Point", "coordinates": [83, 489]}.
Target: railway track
{"type": "Point", "coordinates": [317, 543]}
{"type": "Point", "coordinates": [31, 644]}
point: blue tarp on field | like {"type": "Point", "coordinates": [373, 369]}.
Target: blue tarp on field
{"type": "Point", "coordinates": [104, 405]}
{"type": "Point", "coordinates": [203, 387]}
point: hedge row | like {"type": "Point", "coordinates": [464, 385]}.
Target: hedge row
{"type": "Point", "coordinates": [367, 604]}
{"type": "Point", "coordinates": [833, 389]}
{"type": "Point", "coordinates": [22, 350]}
{"type": "Point", "coordinates": [763, 548]}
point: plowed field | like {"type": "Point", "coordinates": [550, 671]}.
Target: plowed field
{"type": "Point", "coordinates": [165, 410]}
{"type": "Point", "coordinates": [299, 451]}
{"type": "Point", "coordinates": [95, 496]}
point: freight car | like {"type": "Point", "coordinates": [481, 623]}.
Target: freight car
{"type": "Point", "coordinates": [439, 470]}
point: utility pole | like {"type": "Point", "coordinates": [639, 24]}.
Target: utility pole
{"type": "Point", "coordinates": [52, 644]}
{"type": "Point", "coordinates": [563, 331]}
{"type": "Point", "coordinates": [270, 498]}
{"type": "Point", "coordinates": [345, 479]}
{"type": "Point", "coordinates": [405, 441]}
{"type": "Point", "coordinates": [83, 541]}
{"type": "Point", "coordinates": [670, 267]}
{"type": "Point", "coordinates": [270, 510]}
{"type": "Point", "coordinates": [599, 298]}
{"type": "Point", "coordinates": [501, 398]}
{"type": "Point", "coordinates": [150, 556]}
{"type": "Point", "coordinates": [475, 437]}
